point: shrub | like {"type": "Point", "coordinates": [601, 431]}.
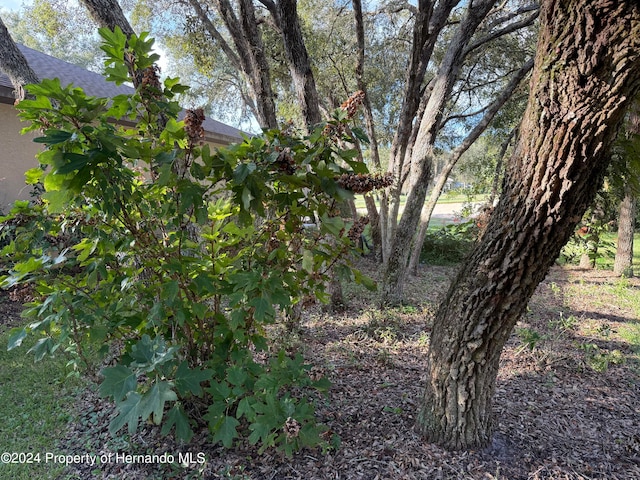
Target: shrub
{"type": "Point", "coordinates": [173, 258]}
{"type": "Point", "coordinates": [450, 244]}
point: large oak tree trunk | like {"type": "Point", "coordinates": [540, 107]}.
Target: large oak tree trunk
{"type": "Point", "coordinates": [587, 71]}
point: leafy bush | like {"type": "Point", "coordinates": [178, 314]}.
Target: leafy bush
{"type": "Point", "coordinates": [173, 259]}
{"type": "Point", "coordinates": [450, 244]}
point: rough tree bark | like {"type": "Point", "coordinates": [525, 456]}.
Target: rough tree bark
{"type": "Point", "coordinates": [298, 60]}
{"type": "Point", "coordinates": [587, 71]}
{"type": "Point", "coordinates": [623, 264]}
{"type": "Point", "coordinates": [14, 65]}
{"type": "Point", "coordinates": [108, 14]}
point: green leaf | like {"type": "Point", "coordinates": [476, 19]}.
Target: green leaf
{"type": "Point", "coordinates": [33, 175]}
{"type": "Point", "coordinates": [53, 137]}
{"type": "Point", "coordinates": [128, 413]}
{"type": "Point", "coordinates": [189, 379]}
{"type": "Point", "coordinates": [368, 282]}
{"type": "Point", "coordinates": [152, 402]}
{"type": "Point", "coordinates": [177, 417]}
{"type": "Point", "coordinates": [170, 291]}
{"type": "Point", "coordinates": [16, 338]}
{"type": "Point", "coordinates": [118, 382]}
{"type": "Point", "coordinates": [263, 309]}
{"type": "Point", "coordinates": [259, 431]}
{"type": "Point", "coordinates": [226, 432]}
{"type": "Point", "coordinates": [332, 225]}
{"type": "Point", "coordinates": [75, 162]}
{"type": "Point", "coordinates": [149, 354]}
{"type": "Point", "coordinates": [58, 200]}
{"type": "Point", "coordinates": [236, 375]}
{"type": "Point", "coordinates": [245, 408]}
{"type": "Point", "coordinates": [43, 347]}
{"type": "Point", "coordinates": [246, 198]}
{"type": "Point", "coordinates": [242, 171]}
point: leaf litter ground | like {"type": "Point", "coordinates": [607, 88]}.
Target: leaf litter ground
{"type": "Point", "coordinates": [567, 402]}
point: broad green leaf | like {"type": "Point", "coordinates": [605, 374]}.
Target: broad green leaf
{"type": "Point", "coordinates": [259, 431]}
{"type": "Point", "coordinates": [33, 175]}
{"type": "Point", "coordinates": [44, 346]}
{"type": "Point", "coordinates": [74, 162]}
{"type": "Point", "coordinates": [170, 291]}
{"type": "Point", "coordinates": [58, 200]}
{"type": "Point", "coordinates": [245, 408]}
{"type": "Point", "coordinates": [177, 417]}
{"type": "Point", "coordinates": [226, 432]}
{"type": "Point", "coordinates": [263, 309]}
{"type": "Point", "coordinates": [128, 413]}
{"type": "Point", "coordinates": [188, 380]}
{"type": "Point", "coordinates": [236, 375]}
{"type": "Point", "coordinates": [246, 198]}
{"type": "Point", "coordinates": [242, 171]}
{"type": "Point", "coordinates": [118, 381]}
{"type": "Point", "coordinates": [152, 402]}
{"type": "Point", "coordinates": [149, 354]}
{"type": "Point", "coordinates": [53, 136]}
{"type": "Point", "coordinates": [16, 338]}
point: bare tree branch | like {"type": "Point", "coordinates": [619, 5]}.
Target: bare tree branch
{"type": "Point", "coordinates": [512, 27]}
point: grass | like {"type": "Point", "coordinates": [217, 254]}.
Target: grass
{"type": "Point", "coordinates": [35, 406]}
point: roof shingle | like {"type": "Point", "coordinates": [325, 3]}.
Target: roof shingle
{"type": "Point", "coordinates": [95, 85]}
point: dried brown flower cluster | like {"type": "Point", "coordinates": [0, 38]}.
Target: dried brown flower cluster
{"type": "Point", "coordinates": [365, 182]}
{"type": "Point", "coordinates": [291, 428]}
{"type": "Point", "coordinates": [193, 120]}
{"type": "Point", "coordinates": [351, 104]}
{"type": "Point", "coordinates": [285, 162]}
{"type": "Point", "coordinates": [357, 228]}
{"type": "Point", "coordinates": [151, 81]}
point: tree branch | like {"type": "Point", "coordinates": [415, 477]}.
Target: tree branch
{"type": "Point", "coordinates": [14, 64]}
{"type": "Point", "coordinates": [215, 34]}
{"type": "Point", "coordinates": [512, 27]}
{"type": "Point", "coordinates": [107, 13]}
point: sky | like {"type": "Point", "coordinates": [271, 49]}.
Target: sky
{"type": "Point", "coordinates": [11, 4]}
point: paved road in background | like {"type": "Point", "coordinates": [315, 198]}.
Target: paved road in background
{"type": "Point", "coordinates": [447, 213]}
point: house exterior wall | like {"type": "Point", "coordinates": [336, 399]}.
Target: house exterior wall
{"type": "Point", "coordinates": [17, 155]}
{"type": "Point", "coordinates": [18, 152]}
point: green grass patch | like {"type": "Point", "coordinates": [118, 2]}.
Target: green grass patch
{"type": "Point", "coordinates": [36, 402]}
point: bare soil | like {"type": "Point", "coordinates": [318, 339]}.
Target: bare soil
{"type": "Point", "coordinates": [567, 403]}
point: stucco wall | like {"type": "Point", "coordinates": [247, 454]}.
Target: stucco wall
{"type": "Point", "coordinates": [17, 155]}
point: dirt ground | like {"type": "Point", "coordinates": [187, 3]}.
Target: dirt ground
{"type": "Point", "coordinates": [567, 403]}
